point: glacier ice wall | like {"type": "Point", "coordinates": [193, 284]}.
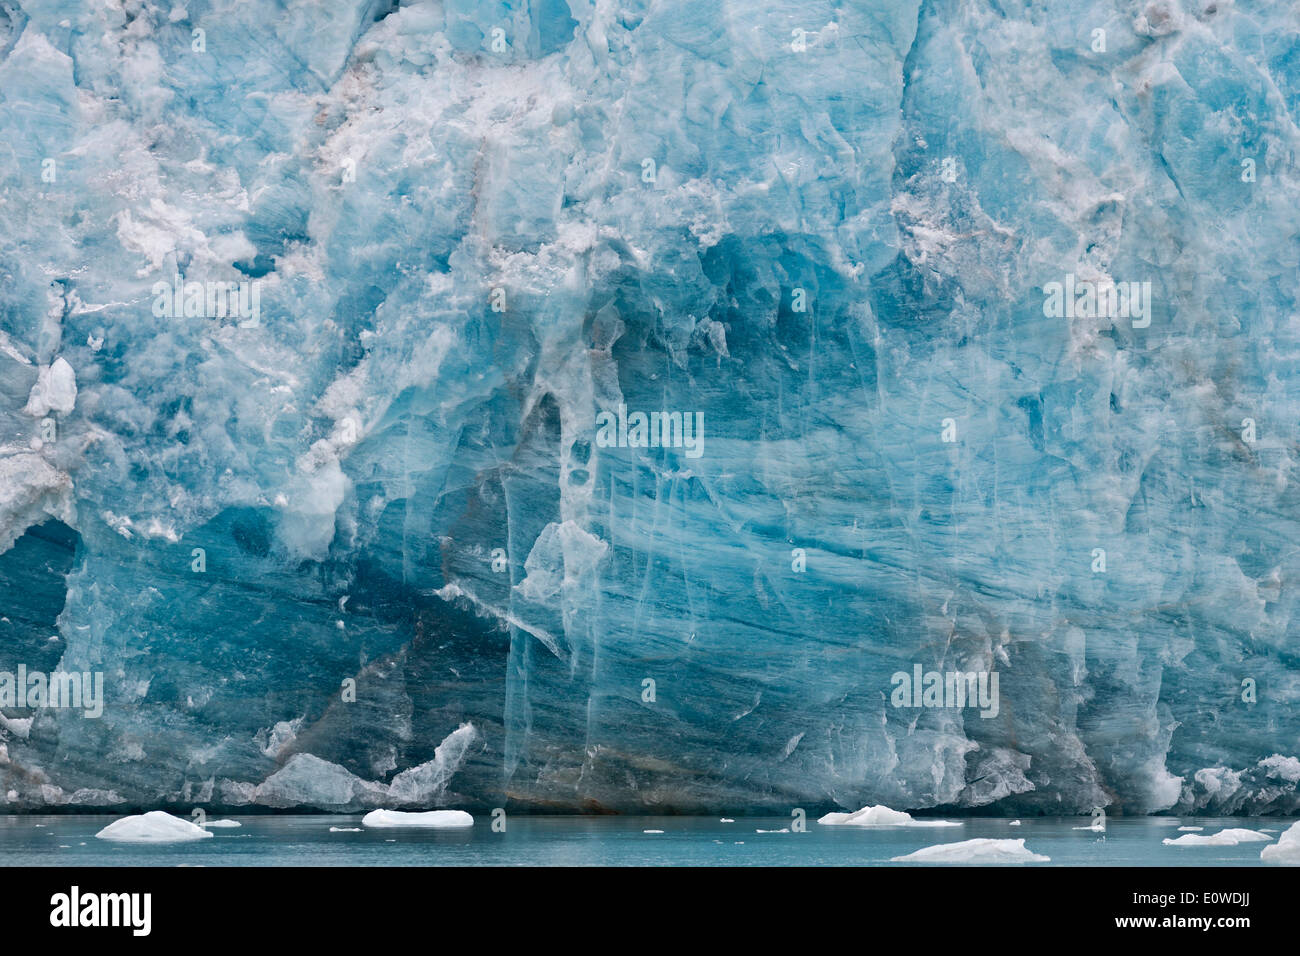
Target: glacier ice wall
{"type": "Point", "coordinates": [368, 548]}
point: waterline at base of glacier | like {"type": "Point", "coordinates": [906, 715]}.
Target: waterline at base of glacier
{"type": "Point", "coordinates": [341, 840]}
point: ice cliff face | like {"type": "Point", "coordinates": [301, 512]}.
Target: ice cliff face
{"type": "Point", "coordinates": [338, 516]}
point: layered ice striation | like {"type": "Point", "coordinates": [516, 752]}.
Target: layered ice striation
{"type": "Point", "coordinates": [326, 329]}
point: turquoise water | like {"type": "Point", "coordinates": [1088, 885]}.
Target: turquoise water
{"type": "Point", "coordinates": [610, 841]}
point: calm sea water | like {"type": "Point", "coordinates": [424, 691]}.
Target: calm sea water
{"type": "Point", "coordinates": [610, 841]}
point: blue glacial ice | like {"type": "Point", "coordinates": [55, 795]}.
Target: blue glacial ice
{"type": "Point", "coordinates": [342, 525]}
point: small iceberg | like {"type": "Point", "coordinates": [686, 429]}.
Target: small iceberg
{"type": "Point", "coordinates": [152, 827]}
{"type": "Point", "coordinates": [223, 823]}
{"type": "Point", "coordinates": [782, 830]}
{"type": "Point", "coordinates": [1014, 823]}
{"type": "Point", "coordinates": [1222, 838]}
{"type": "Point", "coordinates": [345, 829]}
{"type": "Point", "coordinates": [1191, 829]}
{"type": "Point", "coordinates": [1285, 850]}
{"type": "Point", "coordinates": [880, 817]}
{"type": "Point", "coordinates": [726, 820]}
{"type": "Point", "coordinates": [652, 831]}
{"type": "Point", "coordinates": [975, 851]}
{"type": "Point", "coordinates": [430, 819]}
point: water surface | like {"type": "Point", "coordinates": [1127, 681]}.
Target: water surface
{"type": "Point", "coordinates": [299, 840]}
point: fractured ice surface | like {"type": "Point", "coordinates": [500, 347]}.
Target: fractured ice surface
{"type": "Point", "coordinates": [307, 780]}
{"type": "Point", "coordinates": [822, 231]}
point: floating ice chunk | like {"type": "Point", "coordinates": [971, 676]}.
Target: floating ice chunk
{"type": "Point", "coordinates": [1285, 850]}
{"type": "Point", "coordinates": [782, 830]}
{"type": "Point", "coordinates": [223, 823]}
{"type": "Point", "coordinates": [435, 819]}
{"type": "Point", "coordinates": [880, 817]}
{"type": "Point", "coordinates": [652, 831]}
{"type": "Point", "coordinates": [1190, 829]}
{"type": "Point", "coordinates": [1014, 823]}
{"type": "Point", "coordinates": [1222, 838]}
{"type": "Point", "coordinates": [1094, 827]}
{"type": "Point", "coordinates": [345, 829]}
{"type": "Point", "coordinates": [152, 827]}
{"type": "Point", "coordinates": [975, 851]}
{"type": "Point", "coordinates": [727, 820]}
